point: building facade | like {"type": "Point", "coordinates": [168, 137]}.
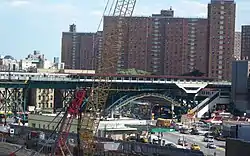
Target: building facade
{"type": "Point", "coordinates": [240, 88]}
{"type": "Point", "coordinates": [221, 17]}
{"type": "Point", "coordinates": [79, 49]}
{"type": "Point", "coordinates": [185, 45]}
{"type": "Point", "coordinates": [8, 63]}
{"type": "Point", "coordinates": [42, 99]}
{"type": "Point", "coordinates": [35, 61]}
{"type": "Point", "coordinates": [161, 44]}
{"type": "Point", "coordinates": [237, 46]}
{"type": "Point", "coordinates": [245, 42]}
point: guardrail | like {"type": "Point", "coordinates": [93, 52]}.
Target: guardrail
{"type": "Point", "coordinates": [93, 78]}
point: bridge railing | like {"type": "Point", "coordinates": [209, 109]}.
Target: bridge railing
{"type": "Point", "coordinates": [116, 79]}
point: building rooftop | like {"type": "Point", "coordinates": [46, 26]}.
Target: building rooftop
{"type": "Point", "coordinates": [8, 57]}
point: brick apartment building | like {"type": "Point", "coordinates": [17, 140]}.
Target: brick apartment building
{"type": "Point", "coordinates": [79, 50]}
{"type": "Point", "coordinates": [221, 17]}
{"type": "Point", "coordinates": [162, 44]}
{"type": "Point", "coordinates": [165, 45]}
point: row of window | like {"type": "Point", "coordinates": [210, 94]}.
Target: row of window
{"type": "Point", "coordinates": [43, 105]}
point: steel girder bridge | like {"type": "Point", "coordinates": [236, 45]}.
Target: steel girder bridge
{"type": "Point", "coordinates": [15, 94]}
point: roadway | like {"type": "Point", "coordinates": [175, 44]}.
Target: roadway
{"type": "Point", "coordinates": [173, 137]}
{"type": "Point", "coordinates": [7, 148]}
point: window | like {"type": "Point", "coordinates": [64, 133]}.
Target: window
{"type": "Point", "coordinates": [33, 125]}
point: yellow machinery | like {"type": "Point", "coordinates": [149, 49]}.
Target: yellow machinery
{"type": "Point", "coordinates": [163, 122]}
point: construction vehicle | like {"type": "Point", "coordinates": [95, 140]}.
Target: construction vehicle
{"type": "Point", "coordinates": [167, 123]}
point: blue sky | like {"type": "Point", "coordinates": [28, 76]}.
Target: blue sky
{"type": "Point", "coordinates": [28, 25]}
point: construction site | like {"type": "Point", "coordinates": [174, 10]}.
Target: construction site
{"type": "Point", "coordinates": [86, 110]}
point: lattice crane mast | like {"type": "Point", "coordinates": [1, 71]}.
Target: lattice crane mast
{"type": "Point", "coordinates": [89, 120]}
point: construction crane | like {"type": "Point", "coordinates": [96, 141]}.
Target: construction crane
{"type": "Point", "coordinates": [72, 112]}
{"type": "Point", "coordinates": [89, 119]}
{"type": "Point", "coordinates": [89, 109]}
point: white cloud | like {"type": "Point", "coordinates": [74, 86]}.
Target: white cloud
{"type": "Point", "coordinates": [18, 3]}
{"type": "Point", "coordinates": [98, 13]}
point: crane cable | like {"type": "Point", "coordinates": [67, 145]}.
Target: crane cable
{"type": "Point", "coordinates": [105, 9]}
{"type": "Point", "coordinates": [51, 134]}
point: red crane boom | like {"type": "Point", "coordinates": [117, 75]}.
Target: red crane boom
{"type": "Point", "coordinates": [72, 112]}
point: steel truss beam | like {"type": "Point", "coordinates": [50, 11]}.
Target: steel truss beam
{"type": "Point", "coordinates": [12, 99]}
{"type": "Point", "coordinates": [66, 96]}
{"type": "Point", "coordinates": [124, 8]}
{"type": "Point", "coordinates": [125, 100]}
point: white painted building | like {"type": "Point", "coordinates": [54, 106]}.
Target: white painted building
{"type": "Point", "coordinates": [9, 63]}
{"type": "Point", "coordinates": [42, 121]}
{"type": "Point", "coordinates": [47, 64]}
{"type": "Point", "coordinates": [26, 64]}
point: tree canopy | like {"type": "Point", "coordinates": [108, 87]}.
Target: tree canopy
{"type": "Point", "coordinates": [195, 73]}
{"type": "Point", "coordinates": [133, 71]}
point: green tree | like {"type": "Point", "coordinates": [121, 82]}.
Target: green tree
{"type": "Point", "coordinates": [133, 71]}
{"type": "Point", "coordinates": [195, 73]}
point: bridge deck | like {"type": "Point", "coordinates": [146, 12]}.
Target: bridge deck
{"type": "Point", "coordinates": [64, 81]}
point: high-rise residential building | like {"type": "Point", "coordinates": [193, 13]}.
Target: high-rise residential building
{"type": "Point", "coordinates": [162, 44]}
{"type": "Point", "coordinates": [79, 49]}
{"type": "Point", "coordinates": [185, 45]}
{"type": "Point", "coordinates": [134, 42]}
{"type": "Point", "coordinates": [245, 42]}
{"type": "Point", "coordinates": [221, 17]}
{"type": "Point", "coordinates": [237, 46]}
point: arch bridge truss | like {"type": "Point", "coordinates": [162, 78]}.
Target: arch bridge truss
{"type": "Point", "coordinates": [125, 100]}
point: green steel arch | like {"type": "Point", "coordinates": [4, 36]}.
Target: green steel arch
{"type": "Point", "coordinates": [136, 97]}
